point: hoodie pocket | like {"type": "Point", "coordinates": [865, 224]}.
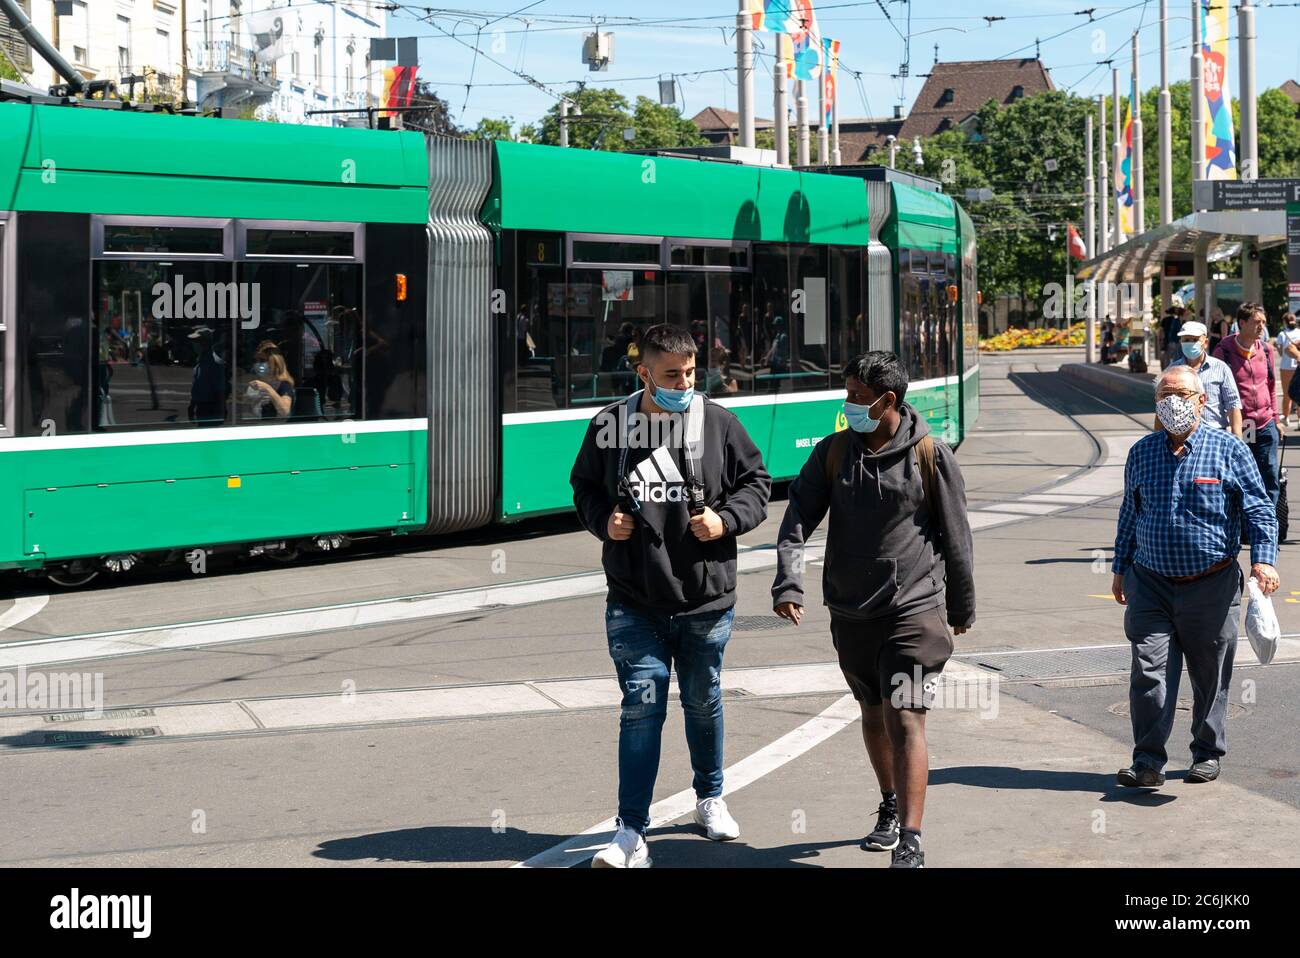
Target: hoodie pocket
{"type": "Point", "coordinates": [860, 582]}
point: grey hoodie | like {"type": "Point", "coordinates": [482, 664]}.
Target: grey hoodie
{"type": "Point", "coordinates": [883, 548]}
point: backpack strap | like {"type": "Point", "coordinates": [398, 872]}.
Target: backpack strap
{"type": "Point", "coordinates": [926, 460]}
{"type": "Point", "coordinates": [835, 457]}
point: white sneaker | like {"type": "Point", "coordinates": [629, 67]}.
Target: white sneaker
{"type": "Point", "coordinates": [712, 815]}
{"type": "Point", "coordinates": [627, 850]}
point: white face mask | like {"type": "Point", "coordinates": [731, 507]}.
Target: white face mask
{"type": "Point", "coordinates": [1177, 415]}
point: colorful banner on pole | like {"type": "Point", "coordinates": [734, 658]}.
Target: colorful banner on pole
{"type": "Point", "coordinates": [808, 52]}
{"type": "Point", "coordinates": [1124, 173]}
{"type": "Point", "coordinates": [830, 76]}
{"type": "Point", "coordinates": [804, 55]}
{"type": "Point", "coordinates": [399, 87]}
{"type": "Point", "coordinates": [1220, 161]}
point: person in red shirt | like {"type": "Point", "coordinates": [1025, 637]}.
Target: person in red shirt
{"type": "Point", "coordinates": [1250, 355]}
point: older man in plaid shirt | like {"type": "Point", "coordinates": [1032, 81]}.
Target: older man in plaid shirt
{"type": "Point", "coordinates": [1186, 493]}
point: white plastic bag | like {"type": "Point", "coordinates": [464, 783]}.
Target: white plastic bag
{"type": "Point", "coordinates": [1261, 623]}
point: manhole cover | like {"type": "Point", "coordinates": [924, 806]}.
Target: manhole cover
{"type": "Point", "coordinates": [1184, 705]}
{"type": "Point", "coordinates": [79, 738]}
{"type": "Point", "coordinates": [1105, 660]}
{"type": "Point", "coordinates": [759, 623]}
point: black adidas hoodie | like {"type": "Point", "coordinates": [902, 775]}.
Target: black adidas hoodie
{"type": "Point", "coordinates": [886, 555]}
{"type": "Point", "coordinates": [663, 568]}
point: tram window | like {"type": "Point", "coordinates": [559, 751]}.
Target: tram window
{"type": "Point", "coordinates": [909, 316]}
{"type": "Point", "coordinates": [53, 300]}
{"type": "Point", "coordinates": [539, 304]}
{"type": "Point", "coordinates": [161, 347]}
{"type": "Point", "coordinates": [607, 311]}
{"type": "Point", "coordinates": [617, 251]}
{"type": "Point", "coordinates": [714, 306]}
{"type": "Point", "coordinates": [299, 243]}
{"type": "Point", "coordinates": [702, 256]}
{"type": "Point", "coordinates": [845, 308]}
{"type": "Point", "coordinates": [810, 334]}
{"type": "Point", "coordinates": [148, 238]}
{"type": "Point", "coordinates": [771, 356]}
{"type": "Point", "coordinates": [396, 385]}
{"type": "Point", "coordinates": [310, 356]}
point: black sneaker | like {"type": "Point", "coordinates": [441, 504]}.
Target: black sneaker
{"type": "Point", "coordinates": [885, 835]}
{"type": "Point", "coordinates": [1140, 776]}
{"type": "Point", "coordinates": [908, 854]}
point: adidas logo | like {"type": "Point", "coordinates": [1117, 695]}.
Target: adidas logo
{"type": "Point", "coordinates": [657, 479]}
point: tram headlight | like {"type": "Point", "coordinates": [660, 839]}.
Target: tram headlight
{"type": "Point", "coordinates": [401, 287]}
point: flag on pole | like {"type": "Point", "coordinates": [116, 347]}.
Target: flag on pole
{"type": "Point", "coordinates": [1220, 160]}
{"type": "Point", "coordinates": [1074, 243]}
{"type": "Point", "coordinates": [806, 41]}
{"type": "Point", "coordinates": [830, 75]}
{"type": "Point", "coordinates": [1124, 175]}
{"type": "Point", "coordinates": [399, 87]}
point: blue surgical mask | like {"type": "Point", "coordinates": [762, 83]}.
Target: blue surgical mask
{"type": "Point", "coordinates": [673, 400]}
{"type": "Point", "coordinates": [859, 417]}
{"type": "Point", "coordinates": [1191, 350]}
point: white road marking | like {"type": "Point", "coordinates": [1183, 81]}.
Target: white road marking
{"type": "Point", "coordinates": [23, 609]}
{"type": "Point", "coordinates": [745, 772]}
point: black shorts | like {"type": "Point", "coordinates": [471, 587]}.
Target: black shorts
{"type": "Point", "coordinates": [897, 659]}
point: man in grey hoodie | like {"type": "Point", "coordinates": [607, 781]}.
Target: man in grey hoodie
{"type": "Point", "coordinates": [898, 534]}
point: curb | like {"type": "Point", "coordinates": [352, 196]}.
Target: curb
{"type": "Point", "coordinates": [1135, 389]}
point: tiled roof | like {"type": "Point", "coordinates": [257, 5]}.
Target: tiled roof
{"type": "Point", "coordinates": [954, 91]}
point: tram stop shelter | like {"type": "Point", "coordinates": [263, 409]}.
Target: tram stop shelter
{"type": "Point", "coordinates": [1234, 218]}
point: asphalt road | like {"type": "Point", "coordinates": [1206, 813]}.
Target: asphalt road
{"type": "Point", "coordinates": [448, 701]}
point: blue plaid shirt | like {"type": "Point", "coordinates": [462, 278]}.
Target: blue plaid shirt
{"type": "Point", "coordinates": [1182, 514]}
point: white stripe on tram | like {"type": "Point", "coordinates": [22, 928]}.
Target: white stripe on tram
{"type": "Point", "coordinates": [167, 437]}
{"type": "Point", "coordinates": [779, 399]}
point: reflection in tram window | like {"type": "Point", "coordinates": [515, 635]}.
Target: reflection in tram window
{"type": "Point", "coordinates": [714, 306]}
{"type": "Point", "coordinates": [607, 310]}
{"type": "Point", "coordinates": [53, 277]}
{"type": "Point", "coordinates": [540, 352]}
{"type": "Point", "coordinates": [162, 343]}
{"type": "Point", "coordinates": [306, 357]}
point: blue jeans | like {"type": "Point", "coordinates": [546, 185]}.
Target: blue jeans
{"type": "Point", "coordinates": [644, 647]}
{"type": "Point", "coordinates": [1264, 449]}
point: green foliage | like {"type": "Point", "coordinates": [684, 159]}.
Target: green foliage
{"type": "Point", "coordinates": [606, 114]}
{"type": "Point", "coordinates": [491, 128]}
{"type": "Point", "coordinates": [7, 70]}
{"type": "Point", "coordinates": [661, 127]}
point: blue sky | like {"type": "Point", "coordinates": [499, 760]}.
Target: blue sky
{"type": "Point", "coordinates": [686, 39]}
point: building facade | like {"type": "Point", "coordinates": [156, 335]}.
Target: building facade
{"type": "Point", "coordinates": [276, 59]}
{"type": "Point", "coordinates": [285, 61]}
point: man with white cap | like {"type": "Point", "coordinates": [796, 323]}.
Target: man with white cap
{"type": "Point", "coordinates": [1222, 400]}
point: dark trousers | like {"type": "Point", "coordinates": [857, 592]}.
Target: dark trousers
{"type": "Point", "coordinates": [1264, 449]}
{"type": "Point", "coordinates": [1169, 623]}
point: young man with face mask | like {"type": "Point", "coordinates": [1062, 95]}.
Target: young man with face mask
{"type": "Point", "coordinates": [1187, 491]}
{"type": "Point", "coordinates": [667, 480]}
{"type": "Point", "coordinates": [1250, 355]}
{"type": "Point", "coordinates": [1222, 401]}
{"type": "Point", "coordinates": [897, 536]}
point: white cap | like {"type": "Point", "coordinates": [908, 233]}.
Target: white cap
{"type": "Point", "coordinates": [1192, 328]}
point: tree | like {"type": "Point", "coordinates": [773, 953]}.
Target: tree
{"type": "Point", "coordinates": [7, 70]}
{"type": "Point", "coordinates": [436, 118]}
{"type": "Point", "coordinates": [605, 115]}
{"type": "Point", "coordinates": [1007, 150]}
{"type": "Point", "coordinates": [491, 128]}
{"type": "Point", "coordinates": [662, 127]}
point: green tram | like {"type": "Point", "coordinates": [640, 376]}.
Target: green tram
{"type": "Point", "coordinates": [227, 334]}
